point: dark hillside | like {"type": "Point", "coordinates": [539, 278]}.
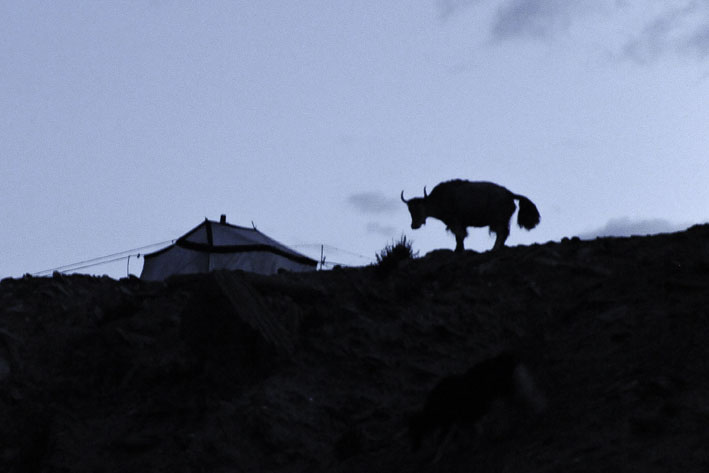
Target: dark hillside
{"type": "Point", "coordinates": [233, 372]}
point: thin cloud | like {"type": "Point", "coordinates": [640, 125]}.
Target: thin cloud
{"type": "Point", "coordinates": [538, 19]}
{"type": "Point", "coordinates": [623, 227]}
{"type": "Point", "coordinates": [379, 229]}
{"type": "Point", "coordinates": [698, 42]}
{"type": "Point", "coordinates": [682, 30]}
{"type": "Point", "coordinates": [679, 28]}
{"type": "Point", "coordinates": [657, 37]}
{"type": "Point", "coordinates": [374, 203]}
{"type": "Point", "coordinates": [449, 8]}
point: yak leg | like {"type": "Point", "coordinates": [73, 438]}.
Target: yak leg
{"type": "Point", "coordinates": [502, 227]}
{"type": "Point", "coordinates": [502, 232]}
{"type": "Point", "coordinates": [460, 234]}
{"type": "Point", "coordinates": [459, 243]}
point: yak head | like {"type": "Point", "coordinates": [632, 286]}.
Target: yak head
{"type": "Point", "coordinates": [417, 209]}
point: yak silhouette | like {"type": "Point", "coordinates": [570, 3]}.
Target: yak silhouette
{"type": "Point", "coordinates": [461, 204]}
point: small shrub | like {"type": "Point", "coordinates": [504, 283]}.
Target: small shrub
{"type": "Point", "coordinates": [392, 254]}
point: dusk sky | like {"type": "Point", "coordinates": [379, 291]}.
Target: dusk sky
{"type": "Point", "coordinates": [126, 123]}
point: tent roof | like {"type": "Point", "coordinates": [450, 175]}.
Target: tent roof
{"type": "Point", "coordinates": [221, 237]}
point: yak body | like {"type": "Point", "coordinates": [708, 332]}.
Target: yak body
{"type": "Point", "coordinates": [461, 204]}
{"type": "Point", "coordinates": [463, 400]}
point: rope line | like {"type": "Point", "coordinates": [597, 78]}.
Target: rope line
{"type": "Point", "coordinates": [318, 245]}
{"type": "Point", "coordinates": [100, 260]}
{"type": "Point", "coordinates": [96, 264]}
{"type": "Point", "coordinates": [121, 255]}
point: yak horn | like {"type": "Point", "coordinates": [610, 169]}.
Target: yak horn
{"type": "Point", "coordinates": [424, 192]}
{"type": "Point", "coordinates": [402, 198]}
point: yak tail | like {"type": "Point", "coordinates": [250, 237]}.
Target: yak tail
{"type": "Point", "coordinates": [528, 216]}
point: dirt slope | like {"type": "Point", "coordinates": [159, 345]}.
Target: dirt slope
{"type": "Point", "coordinates": [232, 372]}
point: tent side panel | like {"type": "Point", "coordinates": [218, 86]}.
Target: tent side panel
{"type": "Point", "coordinates": [175, 260]}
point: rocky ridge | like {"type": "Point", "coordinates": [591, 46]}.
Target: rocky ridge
{"type": "Point", "coordinates": [234, 372]}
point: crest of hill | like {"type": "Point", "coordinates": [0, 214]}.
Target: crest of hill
{"type": "Point", "coordinates": [321, 371]}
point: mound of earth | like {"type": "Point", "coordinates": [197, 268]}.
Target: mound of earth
{"type": "Point", "coordinates": [234, 372]}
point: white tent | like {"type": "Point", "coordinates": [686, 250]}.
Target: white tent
{"type": "Point", "coordinates": [218, 245]}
